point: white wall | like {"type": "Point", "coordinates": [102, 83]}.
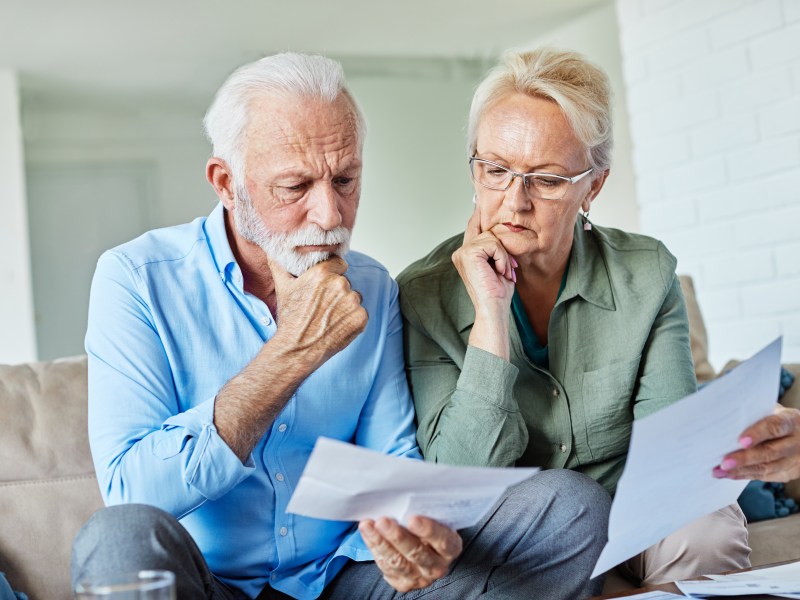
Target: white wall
{"type": "Point", "coordinates": [595, 34]}
{"type": "Point", "coordinates": [17, 337]}
{"type": "Point", "coordinates": [714, 97]}
{"type": "Point", "coordinates": [416, 189]}
{"type": "Point", "coordinates": [88, 132]}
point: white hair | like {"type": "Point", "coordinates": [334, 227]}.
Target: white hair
{"type": "Point", "coordinates": [286, 74]}
{"type": "Point", "coordinates": [580, 88]}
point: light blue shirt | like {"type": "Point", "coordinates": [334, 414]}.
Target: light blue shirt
{"type": "Point", "coordinates": [169, 325]}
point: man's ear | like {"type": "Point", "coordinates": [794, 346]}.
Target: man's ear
{"type": "Point", "coordinates": [221, 179]}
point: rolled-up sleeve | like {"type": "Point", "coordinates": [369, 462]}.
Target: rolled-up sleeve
{"type": "Point", "coordinates": [466, 410]}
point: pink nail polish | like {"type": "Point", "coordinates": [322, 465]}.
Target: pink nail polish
{"type": "Point", "coordinates": [514, 262]}
{"type": "Point", "coordinates": [513, 275]}
{"type": "Point", "coordinates": [719, 473]}
{"type": "Point", "coordinates": [746, 442]}
{"type": "Point", "coordinates": [728, 464]}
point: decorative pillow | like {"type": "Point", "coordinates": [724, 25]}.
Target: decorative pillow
{"type": "Point", "coordinates": [6, 593]}
{"type": "Point", "coordinates": [762, 500]}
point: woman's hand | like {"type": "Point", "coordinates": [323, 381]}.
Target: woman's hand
{"type": "Point", "coordinates": [414, 557]}
{"type": "Point", "coordinates": [771, 449]}
{"type": "Point", "coordinates": [487, 270]}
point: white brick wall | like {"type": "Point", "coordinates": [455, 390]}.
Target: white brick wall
{"type": "Point", "coordinates": [713, 90]}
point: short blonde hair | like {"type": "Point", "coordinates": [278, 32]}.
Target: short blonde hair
{"type": "Point", "coordinates": [580, 88]}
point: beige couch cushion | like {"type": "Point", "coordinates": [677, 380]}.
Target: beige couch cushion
{"type": "Point", "coordinates": [47, 483]}
{"type": "Point", "coordinates": [48, 435]}
{"type": "Point", "coordinates": [697, 332]}
{"type": "Point", "coordinates": [40, 518]}
{"type": "Point", "coordinates": [774, 540]}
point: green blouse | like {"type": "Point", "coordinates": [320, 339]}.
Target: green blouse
{"type": "Point", "coordinates": [618, 346]}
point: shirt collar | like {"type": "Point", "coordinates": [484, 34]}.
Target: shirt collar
{"type": "Point", "coordinates": [217, 238]}
{"type": "Point", "coordinates": [588, 274]}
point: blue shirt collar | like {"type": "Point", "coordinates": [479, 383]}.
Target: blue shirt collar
{"type": "Point", "coordinates": [220, 247]}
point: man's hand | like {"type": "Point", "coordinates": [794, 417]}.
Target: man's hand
{"type": "Point", "coordinates": [771, 449]}
{"type": "Point", "coordinates": [411, 558]}
{"type": "Point", "coordinates": [318, 313]}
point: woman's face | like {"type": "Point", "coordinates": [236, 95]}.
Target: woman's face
{"type": "Point", "coordinates": [529, 134]}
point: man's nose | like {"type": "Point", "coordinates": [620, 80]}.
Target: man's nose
{"type": "Point", "coordinates": [324, 208]}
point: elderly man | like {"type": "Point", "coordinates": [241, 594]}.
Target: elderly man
{"type": "Point", "coordinates": [220, 350]}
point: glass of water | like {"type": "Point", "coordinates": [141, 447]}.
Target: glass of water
{"type": "Point", "coordinates": [142, 585]}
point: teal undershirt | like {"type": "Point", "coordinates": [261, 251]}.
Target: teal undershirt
{"type": "Point", "coordinates": [530, 341]}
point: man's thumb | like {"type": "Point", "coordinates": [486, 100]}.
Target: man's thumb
{"type": "Point", "coordinates": [280, 276]}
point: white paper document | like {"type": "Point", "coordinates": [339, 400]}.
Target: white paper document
{"type": "Point", "coordinates": [667, 481]}
{"type": "Point", "coordinates": [744, 587]}
{"type": "Point", "coordinates": [783, 574]}
{"type": "Point", "coordinates": [654, 596]}
{"type": "Point", "coordinates": [343, 482]}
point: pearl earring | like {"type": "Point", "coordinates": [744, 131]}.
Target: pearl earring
{"type": "Point", "coordinates": [587, 226]}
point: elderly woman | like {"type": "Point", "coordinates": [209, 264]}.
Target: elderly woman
{"type": "Point", "coordinates": [536, 338]}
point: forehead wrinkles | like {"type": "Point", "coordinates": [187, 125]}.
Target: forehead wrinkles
{"type": "Point", "coordinates": [311, 133]}
{"type": "Point", "coordinates": [530, 130]}
{"type": "Point", "coordinates": [327, 148]}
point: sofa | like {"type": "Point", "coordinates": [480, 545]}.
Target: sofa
{"type": "Point", "coordinates": [48, 488]}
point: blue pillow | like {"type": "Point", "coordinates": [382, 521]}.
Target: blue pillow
{"type": "Point", "coordinates": [762, 500]}
{"type": "Point", "coordinates": [6, 593]}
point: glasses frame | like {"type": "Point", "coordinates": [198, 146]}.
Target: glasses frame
{"type": "Point", "coordinates": [524, 176]}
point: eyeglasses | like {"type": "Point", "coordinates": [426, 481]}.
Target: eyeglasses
{"type": "Point", "coordinates": [544, 186]}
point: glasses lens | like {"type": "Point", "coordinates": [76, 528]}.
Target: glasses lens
{"type": "Point", "coordinates": [491, 176]}
{"type": "Point", "coordinates": [547, 188]}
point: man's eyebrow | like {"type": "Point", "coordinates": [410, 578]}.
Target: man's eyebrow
{"type": "Point", "coordinates": [292, 172]}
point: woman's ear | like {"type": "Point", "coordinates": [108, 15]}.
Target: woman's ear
{"type": "Point", "coordinates": [597, 184]}
{"type": "Point", "coordinates": [221, 179]}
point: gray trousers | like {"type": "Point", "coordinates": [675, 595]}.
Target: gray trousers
{"type": "Point", "coordinates": [541, 540]}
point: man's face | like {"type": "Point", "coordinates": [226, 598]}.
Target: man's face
{"type": "Point", "coordinates": [303, 180]}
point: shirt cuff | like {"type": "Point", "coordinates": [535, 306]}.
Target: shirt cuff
{"type": "Point", "coordinates": [488, 377]}
{"type": "Point", "coordinates": [212, 468]}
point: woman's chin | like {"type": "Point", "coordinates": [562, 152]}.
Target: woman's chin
{"type": "Point", "coordinates": [517, 243]}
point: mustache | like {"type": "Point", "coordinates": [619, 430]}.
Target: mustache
{"type": "Point", "coordinates": [314, 235]}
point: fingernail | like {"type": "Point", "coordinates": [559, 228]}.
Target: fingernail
{"type": "Point", "coordinates": [514, 262]}
{"type": "Point", "coordinates": [513, 275]}
{"type": "Point", "coordinates": [728, 464]}
{"type": "Point", "coordinates": [719, 473]}
{"type": "Point", "coordinates": [746, 442]}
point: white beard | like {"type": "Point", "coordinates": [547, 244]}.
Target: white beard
{"type": "Point", "coordinates": [282, 247]}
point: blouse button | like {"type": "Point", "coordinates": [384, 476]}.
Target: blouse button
{"type": "Point", "coordinates": [563, 447]}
